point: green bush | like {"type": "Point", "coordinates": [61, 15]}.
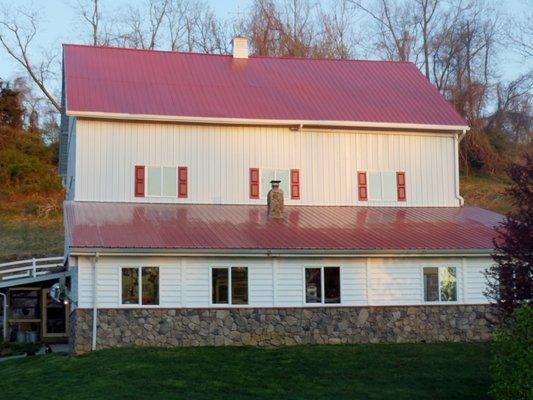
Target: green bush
{"type": "Point", "coordinates": [512, 367]}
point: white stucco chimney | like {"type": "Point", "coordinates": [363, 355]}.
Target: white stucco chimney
{"type": "Point", "coordinates": [240, 47]}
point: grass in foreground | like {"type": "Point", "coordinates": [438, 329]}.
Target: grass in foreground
{"type": "Point", "coordinates": [404, 371]}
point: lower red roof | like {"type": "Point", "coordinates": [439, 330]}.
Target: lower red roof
{"type": "Point", "coordinates": [242, 227]}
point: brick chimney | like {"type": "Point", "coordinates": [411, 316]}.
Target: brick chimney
{"type": "Point", "coordinates": [240, 47]}
{"type": "Point", "coordinates": [275, 201]}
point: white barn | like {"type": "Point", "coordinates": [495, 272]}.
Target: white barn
{"type": "Point", "coordinates": [168, 159]}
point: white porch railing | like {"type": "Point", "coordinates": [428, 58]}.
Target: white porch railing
{"type": "Point", "coordinates": [31, 268]}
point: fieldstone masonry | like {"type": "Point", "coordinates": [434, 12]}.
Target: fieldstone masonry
{"type": "Point", "coordinates": [280, 326]}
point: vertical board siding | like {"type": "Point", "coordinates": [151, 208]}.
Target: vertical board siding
{"type": "Point", "coordinates": [475, 280]}
{"type": "Point", "coordinates": [393, 282]}
{"type": "Point", "coordinates": [374, 281]}
{"type": "Point", "coordinates": [219, 159]}
{"type": "Point", "coordinates": [170, 285]}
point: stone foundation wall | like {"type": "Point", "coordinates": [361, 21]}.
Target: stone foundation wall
{"type": "Point", "coordinates": [280, 326]}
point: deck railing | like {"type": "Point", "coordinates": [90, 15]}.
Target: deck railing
{"type": "Point", "coordinates": [30, 268]}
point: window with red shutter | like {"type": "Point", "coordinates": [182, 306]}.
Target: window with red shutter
{"type": "Point", "coordinates": [295, 184]}
{"type": "Point", "coordinates": [139, 181]}
{"type": "Point", "coordinates": [182, 182]}
{"type": "Point", "coordinates": [254, 183]}
{"type": "Point", "coordinates": [362, 186]}
{"type": "Point", "coordinates": [400, 186]}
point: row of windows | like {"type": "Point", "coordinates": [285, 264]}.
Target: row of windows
{"type": "Point", "coordinates": [229, 285]}
{"type": "Point", "coordinates": [159, 181]}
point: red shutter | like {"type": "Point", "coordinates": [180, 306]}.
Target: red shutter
{"type": "Point", "coordinates": [362, 185]}
{"type": "Point", "coordinates": [400, 186]}
{"type": "Point", "coordinates": [139, 181]}
{"type": "Point", "coordinates": [182, 182]}
{"type": "Point", "coordinates": [295, 184]}
{"type": "Point", "coordinates": [254, 183]}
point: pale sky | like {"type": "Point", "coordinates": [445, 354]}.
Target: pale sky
{"type": "Point", "coordinates": [59, 25]}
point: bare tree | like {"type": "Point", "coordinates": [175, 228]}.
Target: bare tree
{"type": "Point", "coordinates": [338, 33]}
{"type": "Point", "coordinates": [90, 12]}
{"type": "Point", "coordinates": [17, 32]}
{"type": "Point", "coordinates": [513, 116]}
{"type": "Point", "coordinates": [520, 31]}
{"type": "Point", "coordinates": [142, 25]}
{"type": "Point", "coordinates": [395, 24]}
{"type": "Point", "coordinates": [428, 10]}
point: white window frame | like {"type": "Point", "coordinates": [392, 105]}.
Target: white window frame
{"type": "Point", "coordinates": [230, 296]}
{"type": "Point", "coordinates": [139, 270]}
{"type": "Point", "coordinates": [161, 169]}
{"type": "Point", "coordinates": [395, 199]}
{"type": "Point", "coordinates": [262, 195]}
{"type": "Point", "coordinates": [457, 279]}
{"type": "Point", "coordinates": [322, 286]}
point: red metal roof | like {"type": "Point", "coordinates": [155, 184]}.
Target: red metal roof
{"type": "Point", "coordinates": [160, 83]}
{"type": "Point", "coordinates": [178, 226]}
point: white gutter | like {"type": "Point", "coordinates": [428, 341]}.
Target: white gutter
{"type": "Point", "coordinates": [282, 253]}
{"type": "Point", "coordinates": [4, 323]}
{"type": "Point", "coordinates": [457, 139]}
{"type": "Point", "coordinates": [299, 124]}
{"type": "Point", "coordinates": [95, 305]}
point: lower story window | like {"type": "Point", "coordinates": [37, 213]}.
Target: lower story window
{"type": "Point", "coordinates": [440, 284]}
{"type": "Point", "coordinates": [140, 285]}
{"type": "Point", "coordinates": [323, 285]}
{"type": "Point", "coordinates": [229, 285]}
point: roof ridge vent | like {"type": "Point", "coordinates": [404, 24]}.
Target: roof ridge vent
{"type": "Point", "coordinates": [240, 47]}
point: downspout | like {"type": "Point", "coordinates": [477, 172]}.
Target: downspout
{"type": "Point", "coordinates": [95, 307]}
{"type": "Point", "coordinates": [457, 139]}
{"type": "Point", "coordinates": [4, 324]}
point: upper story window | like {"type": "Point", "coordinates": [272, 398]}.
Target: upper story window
{"type": "Point", "coordinates": [159, 181]}
{"type": "Point", "coordinates": [381, 186]}
{"type": "Point", "coordinates": [440, 284]}
{"type": "Point", "coordinates": [323, 285]}
{"type": "Point", "coordinates": [260, 179]}
{"type": "Point", "coordinates": [268, 175]}
{"type": "Point", "coordinates": [139, 285]}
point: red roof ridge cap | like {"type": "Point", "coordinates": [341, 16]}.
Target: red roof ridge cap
{"type": "Point", "coordinates": [230, 56]}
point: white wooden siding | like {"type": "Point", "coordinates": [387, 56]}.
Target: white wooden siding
{"type": "Point", "coordinates": [185, 282]}
{"type": "Point", "coordinates": [475, 280]}
{"type": "Point", "coordinates": [218, 160]}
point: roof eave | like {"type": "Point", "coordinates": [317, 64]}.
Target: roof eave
{"type": "Point", "coordinates": [338, 253]}
{"type": "Point", "coordinates": [266, 122]}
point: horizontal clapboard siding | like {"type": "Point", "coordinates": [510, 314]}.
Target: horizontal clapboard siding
{"type": "Point", "coordinates": [280, 283]}
{"type": "Point", "coordinates": [219, 159]}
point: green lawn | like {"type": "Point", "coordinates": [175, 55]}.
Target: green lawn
{"type": "Point", "coordinates": [403, 371]}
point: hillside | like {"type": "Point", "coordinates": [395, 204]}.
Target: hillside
{"type": "Point", "coordinates": [32, 225]}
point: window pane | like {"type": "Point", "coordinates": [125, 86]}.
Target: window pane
{"type": "Point", "coordinates": [283, 176]}
{"type": "Point", "coordinates": [239, 285]}
{"type": "Point", "coordinates": [150, 289]}
{"type": "Point", "coordinates": [130, 286]}
{"type": "Point", "coordinates": [220, 285]}
{"type": "Point", "coordinates": [389, 186]}
{"type": "Point", "coordinates": [374, 185]}
{"type": "Point", "coordinates": [313, 290]}
{"type": "Point", "coordinates": [448, 284]}
{"type": "Point", "coordinates": [431, 284]}
{"type": "Point", "coordinates": [169, 181]}
{"type": "Point", "coordinates": [153, 186]}
{"type": "Point", "coordinates": [332, 285]}
{"type": "Point", "coordinates": [267, 175]}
